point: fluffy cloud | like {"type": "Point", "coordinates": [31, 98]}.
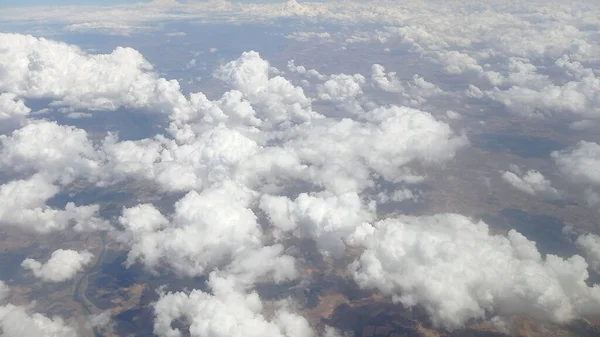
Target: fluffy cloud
{"type": "Point", "coordinates": [40, 68]}
{"type": "Point", "coordinates": [327, 219]}
{"type": "Point", "coordinates": [386, 81]}
{"type": "Point", "coordinates": [61, 153]}
{"type": "Point", "coordinates": [226, 312]}
{"type": "Point", "coordinates": [458, 271]}
{"type": "Point", "coordinates": [17, 321]}
{"type": "Point", "coordinates": [413, 93]}
{"type": "Point", "coordinates": [23, 204]}
{"type": "Point", "coordinates": [341, 87]}
{"type": "Point", "coordinates": [344, 154]}
{"type": "Point", "coordinates": [204, 159]}
{"type": "Point", "coordinates": [13, 112]}
{"type": "Point", "coordinates": [580, 163]}
{"type": "Point", "coordinates": [236, 137]}
{"type": "Point", "coordinates": [63, 265]}
{"type": "Point", "coordinates": [49, 156]}
{"type": "Point", "coordinates": [532, 183]}
{"type": "Point", "coordinates": [590, 244]}
{"type": "Point", "coordinates": [275, 97]}
{"type": "Point", "coordinates": [208, 230]}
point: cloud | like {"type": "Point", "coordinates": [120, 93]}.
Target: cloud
{"type": "Point", "coordinates": [23, 204]}
{"type": "Point", "coordinates": [49, 156]}
{"type": "Point", "coordinates": [204, 159]}
{"type": "Point", "coordinates": [13, 113]}
{"type": "Point", "coordinates": [40, 68]}
{"type": "Point", "coordinates": [62, 266]}
{"type": "Point", "coordinates": [532, 183]}
{"type": "Point", "coordinates": [61, 153]}
{"type": "Point", "coordinates": [209, 230]}
{"type": "Point", "coordinates": [226, 312]}
{"type": "Point", "coordinates": [17, 321]}
{"type": "Point", "coordinates": [386, 81]}
{"type": "Point", "coordinates": [321, 37]}
{"type": "Point", "coordinates": [457, 271]}
{"type": "Point", "coordinates": [276, 97]}
{"type": "Point", "coordinates": [328, 219]}
{"type": "Point", "coordinates": [590, 244]}
{"type": "Point", "coordinates": [264, 148]}
{"type": "Point", "coordinates": [413, 93]}
{"type": "Point", "coordinates": [341, 87]}
{"type": "Point", "coordinates": [580, 163]}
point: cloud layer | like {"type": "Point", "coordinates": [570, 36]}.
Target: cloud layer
{"type": "Point", "coordinates": [273, 158]}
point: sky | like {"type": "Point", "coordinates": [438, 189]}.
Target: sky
{"type": "Point", "coordinates": [13, 3]}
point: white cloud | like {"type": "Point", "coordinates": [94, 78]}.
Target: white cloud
{"type": "Point", "coordinates": [227, 312]}
{"type": "Point", "coordinates": [40, 68]}
{"type": "Point", "coordinates": [23, 204]}
{"type": "Point", "coordinates": [580, 163]}
{"type": "Point", "coordinates": [204, 159]}
{"type": "Point", "coordinates": [340, 87]}
{"type": "Point", "coordinates": [61, 153]}
{"type": "Point", "coordinates": [275, 97]}
{"type": "Point", "coordinates": [458, 271]}
{"type": "Point", "coordinates": [208, 230]}
{"type": "Point", "coordinates": [343, 154]}
{"type": "Point", "coordinates": [292, 67]}
{"type": "Point", "coordinates": [13, 112]}
{"type": "Point", "coordinates": [412, 93]}
{"type": "Point", "coordinates": [78, 115]}
{"type": "Point", "coordinates": [590, 244]}
{"type": "Point", "coordinates": [532, 183]}
{"type": "Point", "coordinates": [62, 266]}
{"type": "Point", "coordinates": [328, 219]}
{"type": "Point", "coordinates": [18, 321]}
{"type": "Point", "coordinates": [320, 37]}
{"type": "Point", "coordinates": [386, 81]}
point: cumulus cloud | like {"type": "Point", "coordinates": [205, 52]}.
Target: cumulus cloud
{"type": "Point", "coordinates": [17, 321]}
{"type": "Point", "coordinates": [532, 183]}
{"type": "Point", "coordinates": [204, 159]}
{"type": "Point", "coordinates": [457, 270]}
{"type": "Point", "coordinates": [580, 163]}
{"type": "Point", "coordinates": [62, 266]}
{"type": "Point", "coordinates": [413, 93]}
{"type": "Point", "coordinates": [276, 97]}
{"type": "Point", "coordinates": [208, 230]}
{"type": "Point", "coordinates": [340, 87]}
{"type": "Point", "coordinates": [225, 312]}
{"type": "Point", "coordinates": [61, 153]}
{"type": "Point", "coordinates": [590, 244]}
{"type": "Point", "coordinates": [327, 219]}
{"type": "Point", "coordinates": [40, 68]}
{"type": "Point", "coordinates": [23, 204]}
{"type": "Point", "coordinates": [13, 112]}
